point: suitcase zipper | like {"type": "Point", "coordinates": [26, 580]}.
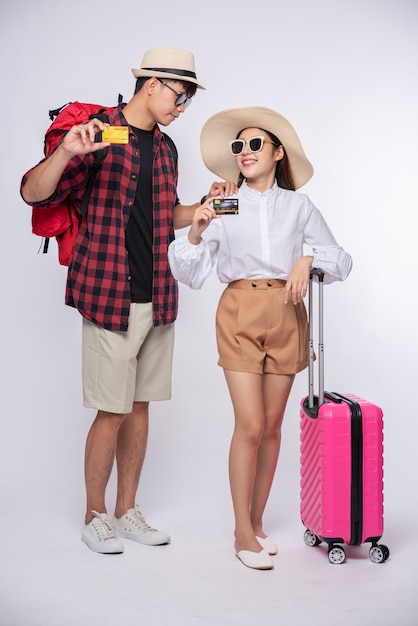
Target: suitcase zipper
{"type": "Point", "coordinates": [356, 470]}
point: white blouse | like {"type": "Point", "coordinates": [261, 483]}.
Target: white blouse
{"type": "Point", "coordinates": [263, 241]}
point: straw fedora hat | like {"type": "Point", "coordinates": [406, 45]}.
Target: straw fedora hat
{"type": "Point", "coordinates": [168, 63]}
{"type": "Point", "coordinates": [225, 126]}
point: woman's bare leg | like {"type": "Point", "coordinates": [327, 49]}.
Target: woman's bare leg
{"type": "Point", "coordinates": [246, 392]}
{"type": "Point", "coordinates": [276, 390]}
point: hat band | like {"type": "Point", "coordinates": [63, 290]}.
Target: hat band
{"type": "Point", "coordinates": [171, 71]}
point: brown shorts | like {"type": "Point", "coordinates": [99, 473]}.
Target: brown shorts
{"type": "Point", "coordinates": [257, 332]}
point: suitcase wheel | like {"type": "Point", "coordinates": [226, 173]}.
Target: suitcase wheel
{"type": "Point", "coordinates": [336, 555]}
{"type": "Point", "coordinates": [379, 553]}
{"type": "Point", "coordinates": [311, 539]}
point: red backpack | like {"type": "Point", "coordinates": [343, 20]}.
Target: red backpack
{"type": "Point", "coordinates": [63, 220]}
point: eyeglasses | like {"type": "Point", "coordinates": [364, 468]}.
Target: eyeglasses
{"type": "Point", "coordinates": [182, 98]}
{"type": "Point", "coordinates": [255, 144]}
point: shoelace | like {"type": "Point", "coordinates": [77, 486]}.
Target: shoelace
{"type": "Point", "coordinates": [102, 527]}
{"type": "Point", "coordinates": [138, 519]}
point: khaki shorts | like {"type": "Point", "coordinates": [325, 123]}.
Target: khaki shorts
{"type": "Point", "coordinates": [257, 332]}
{"type": "Point", "coordinates": [122, 367]}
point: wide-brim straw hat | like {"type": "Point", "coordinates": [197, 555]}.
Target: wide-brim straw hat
{"type": "Point", "coordinates": [224, 126]}
{"type": "Point", "coordinates": [168, 63]}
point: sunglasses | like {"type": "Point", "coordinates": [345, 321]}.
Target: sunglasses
{"type": "Point", "coordinates": [182, 98]}
{"type": "Point", "coordinates": [255, 144]}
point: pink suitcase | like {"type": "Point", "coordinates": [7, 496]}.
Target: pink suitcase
{"type": "Point", "coordinates": [341, 473]}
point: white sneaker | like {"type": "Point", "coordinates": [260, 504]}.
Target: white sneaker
{"type": "Point", "coordinates": [133, 526]}
{"type": "Point", "coordinates": [100, 536]}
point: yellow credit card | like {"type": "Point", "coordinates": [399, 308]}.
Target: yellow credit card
{"type": "Point", "coordinates": [115, 134]}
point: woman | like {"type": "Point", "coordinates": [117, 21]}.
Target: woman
{"type": "Point", "coordinates": [261, 322]}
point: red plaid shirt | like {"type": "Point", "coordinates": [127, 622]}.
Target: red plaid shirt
{"type": "Point", "coordinates": [98, 275]}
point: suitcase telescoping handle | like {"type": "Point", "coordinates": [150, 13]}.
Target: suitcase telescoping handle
{"type": "Point", "coordinates": [311, 399]}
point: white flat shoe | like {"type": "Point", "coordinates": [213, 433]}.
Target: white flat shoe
{"type": "Point", "coordinates": [267, 544]}
{"type": "Point", "coordinates": [255, 560]}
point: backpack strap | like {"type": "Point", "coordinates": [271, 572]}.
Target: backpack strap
{"type": "Point", "coordinates": [173, 148]}
{"type": "Point", "coordinates": [54, 112]}
{"type": "Point", "coordinates": [99, 155]}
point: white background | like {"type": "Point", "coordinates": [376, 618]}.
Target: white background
{"type": "Point", "coordinates": [344, 73]}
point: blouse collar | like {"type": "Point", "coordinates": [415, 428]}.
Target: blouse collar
{"type": "Point", "coordinates": [254, 195]}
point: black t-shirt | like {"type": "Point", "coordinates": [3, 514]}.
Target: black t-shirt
{"type": "Point", "coordinates": [139, 230]}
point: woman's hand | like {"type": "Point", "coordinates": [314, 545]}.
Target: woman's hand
{"type": "Point", "coordinates": [298, 281]}
{"type": "Point", "coordinates": [205, 213]}
{"type": "Point", "coordinates": [202, 217]}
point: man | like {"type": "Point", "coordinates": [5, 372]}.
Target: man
{"type": "Point", "coordinates": [119, 280]}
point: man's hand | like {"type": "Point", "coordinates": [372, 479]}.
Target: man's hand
{"type": "Point", "coordinates": [222, 189]}
{"type": "Point", "coordinates": [44, 178]}
{"type": "Point", "coordinates": [80, 138]}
